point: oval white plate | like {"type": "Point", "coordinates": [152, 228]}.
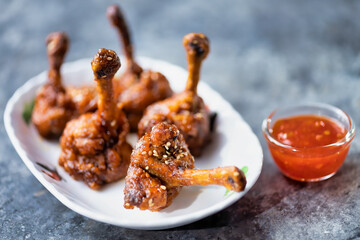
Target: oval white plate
{"type": "Point", "coordinates": [233, 144]}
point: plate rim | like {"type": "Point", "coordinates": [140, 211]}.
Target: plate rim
{"type": "Point", "coordinates": [165, 223]}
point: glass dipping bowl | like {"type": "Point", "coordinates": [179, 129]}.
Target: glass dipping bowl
{"type": "Point", "coordinates": [309, 164]}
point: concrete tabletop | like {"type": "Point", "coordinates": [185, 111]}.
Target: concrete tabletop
{"type": "Point", "coordinates": [264, 54]}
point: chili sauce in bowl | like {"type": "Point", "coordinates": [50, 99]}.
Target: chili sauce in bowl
{"type": "Point", "coordinates": [309, 142]}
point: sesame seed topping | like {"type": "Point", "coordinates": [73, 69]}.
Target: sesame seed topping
{"type": "Point", "coordinates": [167, 153]}
{"type": "Point", "coordinates": [151, 203]}
{"type": "Point", "coordinates": [166, 162]}
{"type": "Point", "coordinates": [163, 187]}
{"type": "Point", "coordinates": [166, 147]}
{"type": "Point", "coordinates": [236, 174]}
{"type": "Point", "coordinates": [155, 153]}
{"type": "Point", "coordinates": [223, 172]}
{"type": "Point", "coordinates": [113, 123]}
{"type": "Point", "coordinates": [147, 175]}
{"type": "Point", "coordinates": [168, 144]}
{"type": "Point", "coordinates": [198, 115]}
{"type": "Point", "coordinates": [147, 167]}
{"type": "Point", "coordinates": [178, 157]}
{"type": "Point", "coordinates": [127, 204]}
{"type": "Point", "coordinates": [150, 153]}
{"type": "Point", "coordinates": [165, 156]}
{"type": "Point", "coordinates": [143, 153]}
{"type": "Point", "coordinates": [109, 58]}
{"type": "Point", "coordinates": [185, 153]}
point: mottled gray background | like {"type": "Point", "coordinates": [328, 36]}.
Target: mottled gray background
{"type": "Point", "coordinates": [264, 53]}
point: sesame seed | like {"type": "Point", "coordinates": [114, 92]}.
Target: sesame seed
{"type": "Point", "coordinates": [168, 144]}
{"type": "Point", "coordinates": [127, 204]}
{"type": "Point", "coordinates": [223, 172]}
{"type": "Point", "coordinates": [109, 58]}
{"type": "Point", "coordinates": [143, 153]}
{"type": "Point", "coordinates": [166, 147]}
{"type": "Point", "coordinates": [147, 167]}
{"type": "Point", "coordinates": [165, 156]}
{"type": "Point", "coordinates": [113, 123]}
{"type": "Point", "coordinates": [185, 153]}
{"type": "Point", "coordinates": [166, 162]}
{"type": "Point", "coordinates": [163, 187]}
{"type": "Point", "coordinates": [178, 157]}
{"type": "Point", "coordinates": [151, 203]}
{"type": "Point", "coordinates": [167, 153]}
{"type": "Point", "coordinates": [236, 174]}
{"type": "Point", "coordinates": [150, 153]}
{"type": "Point", "coordinates": [147, 175]}
{"type": "Point", "coordinates": [175, 146]}
{"type": "Point", "coordinates": [198, 115]}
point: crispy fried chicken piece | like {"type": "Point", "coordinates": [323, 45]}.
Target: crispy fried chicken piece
{"type": "Point", "coordinates": [93, 146]}
{"type": "Point", "coordinates": [84, 98]}
{"type": "Point", "coordinates": [135, 89]}
{"type": "Point", "coordinates": [53, 106]}
{"type": "Point", "coordinates": [161, 164]}
{"type": "Point", "coordinates": [186, 109]}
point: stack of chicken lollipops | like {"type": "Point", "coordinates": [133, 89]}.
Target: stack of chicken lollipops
{"type": "Point", "coordinates": [93, 123]}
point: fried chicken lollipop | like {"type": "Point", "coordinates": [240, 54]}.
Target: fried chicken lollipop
{"type": "Point", "coordinates": [135, 89]}
{"type": "Point", "coordinates": [161, 164]}
{"type": "Point", "coordinates": [186, 109]}
{"type": "Point", "coordinates": [93, 146]}
{"type": "Point", "coordinates": [53, 105]}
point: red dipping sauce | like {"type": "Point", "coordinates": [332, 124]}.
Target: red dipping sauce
{"type": "Point", "coordinates": [308, 147]}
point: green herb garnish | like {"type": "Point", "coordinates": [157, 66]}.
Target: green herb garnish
{"type": "Point", "coordinates": [27, 111]}
{"type": "Point", "coordinates": [245, 169]}
{"type": "Point", "coordinates": [228, 192]}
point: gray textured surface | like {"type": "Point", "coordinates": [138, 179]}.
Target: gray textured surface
{"type": "Point", "coordinates": [263, 54]}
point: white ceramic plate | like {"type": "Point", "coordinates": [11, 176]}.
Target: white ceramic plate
{"type": "Point", "coordinates": [233, 144]}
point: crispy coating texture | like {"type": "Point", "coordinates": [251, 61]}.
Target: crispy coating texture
{"type": "Point", "coordinates": [93, 146]}
{"type": "Point", "coordinates": [135, 89]}
{"type": "Point", "coordinates": [161, 164]}
{"type": "Point", "coordinates": [186, 110]}
{"type": "Point", "coordinates": [53, 106]}
{"type": "Point", "coordinates": [84, 98]}
{"type": "Point", "coordinates": [150, 87]}
{"type": "Point", "coordinates": [53, 109]}
{"type": "Point", "coordinates": [89, 153]}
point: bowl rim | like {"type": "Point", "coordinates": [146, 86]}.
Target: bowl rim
{"type": "Point", "coordinates": [349, 136]}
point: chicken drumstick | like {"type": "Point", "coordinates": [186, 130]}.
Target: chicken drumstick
{"type": "Point", "coordinates": [93, 146]}
{"type": "Point", "coordinates": [135, 89]}
{"type": "Point", "coordinates": [186, 109]}
{"type": "Point", "coordinates": [53, 106]}
{"type": "Point", "coordinates": [161, 164]}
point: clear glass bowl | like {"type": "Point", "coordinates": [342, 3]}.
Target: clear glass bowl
{"type": "Point", "coordinates": [309, 164]}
